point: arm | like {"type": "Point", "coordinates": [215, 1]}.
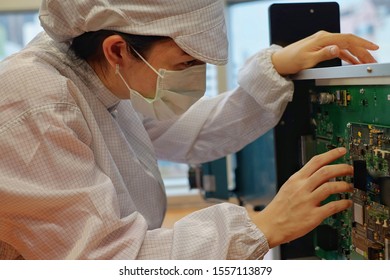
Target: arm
{"type": "Point", "coordinates": [56, 203]}
{"type": "Point", "coordinates": [214, 127]}
{"type": "Point", "coordinates": [223, 231]}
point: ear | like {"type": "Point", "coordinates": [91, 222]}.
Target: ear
{"type": "Point", "coordinates": [115, 50]}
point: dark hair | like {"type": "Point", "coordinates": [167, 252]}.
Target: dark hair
{"type": "Point", "coordinates": [88, 46]}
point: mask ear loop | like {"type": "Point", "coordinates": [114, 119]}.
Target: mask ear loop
{"type": "Point", "coordinates": [117, 72]}
{"type": "Point", "coordinates": [147, 63]}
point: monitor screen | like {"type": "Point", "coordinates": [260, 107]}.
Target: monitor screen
{"type": "Point", "coordinates": [290, 22]}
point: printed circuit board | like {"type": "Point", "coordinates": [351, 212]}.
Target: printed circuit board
{"type": "Point", "coordinates": [356, 117]}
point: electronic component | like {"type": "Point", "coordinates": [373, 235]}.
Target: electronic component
{"type": "Point", "coordinates": [360, 174]}
{"type": "Point", "coordinates": [353, 113]}
{"type": "Point", "coordinates": [384, 182]}
{"type": "Point", "coordinates": [327, 238]}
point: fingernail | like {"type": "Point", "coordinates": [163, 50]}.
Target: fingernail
{"type": "Point", "coordinates": [333, 50]}
{"type": "Point", "coordinates": [342, 150]}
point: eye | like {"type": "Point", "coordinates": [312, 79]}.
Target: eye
{"type": "Point", "coordinates": [190, 63]}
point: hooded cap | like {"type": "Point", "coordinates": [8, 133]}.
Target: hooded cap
{"type": "Point", "coordinates": [197, 26]}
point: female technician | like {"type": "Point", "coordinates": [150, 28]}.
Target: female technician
{"type": "Point", "coordinates": [88, 106]}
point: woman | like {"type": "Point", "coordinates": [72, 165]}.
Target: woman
{"type": "Point", "coordinates": [88, 107]}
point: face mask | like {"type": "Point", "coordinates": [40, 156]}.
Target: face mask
{"type": "Point", "coordinates": [176, 92]}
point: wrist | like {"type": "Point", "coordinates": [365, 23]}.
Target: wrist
{"type": "Point", "coordinates": [279, 63]}
{"type": "Point", "coordinates": [271, 227]}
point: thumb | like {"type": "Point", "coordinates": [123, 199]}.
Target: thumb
{"type": "Point", "coordinates": [330, 52]}
{"type": "Point", "coordinates": [327, 53]}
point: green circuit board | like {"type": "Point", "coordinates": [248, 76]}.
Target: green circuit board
{"type": "Point", "coordinates": [356, 117]}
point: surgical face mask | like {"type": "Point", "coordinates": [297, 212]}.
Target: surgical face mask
{"type": "Point", "coordinates": [176, 92]}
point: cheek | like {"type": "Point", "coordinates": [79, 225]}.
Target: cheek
{"type": "Point", "coordinates": [144, 82]}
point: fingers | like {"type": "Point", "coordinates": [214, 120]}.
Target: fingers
{"type": "Point", "coordinates": [327, 189]}
{"type": "Point", "coordinates": [322, 46]}
{"type": "Point", "coordinates": [321, 160]}
{"type": "Point", "coordinates": [327, 53]}
{"type": "Point", "coordinates": [352, 55]}
{"type": "Point", "coordinates": [347, 57]}
{"type": "Point", "coordinates": [344, 41]}
{"type": "Point", "coordinates": [360, 55]}
{"type": "Point", "coordinates": [332, 208]}
{"type": "Point", "coordinates": [326, 173]}
{"type": "Point", "coordinates": [353, 49]}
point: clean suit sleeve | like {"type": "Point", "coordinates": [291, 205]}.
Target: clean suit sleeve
{"type": "Point", "coordinates": [56, 203]}
{"type": "Point", "coordinates": [215, 127]}
{"type": "Point", "coordinates": [223, 231]}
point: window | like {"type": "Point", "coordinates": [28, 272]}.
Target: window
{"type": "Point", "coordinates": [248, 27]}
{"type": "Point", "coordinates": [16, 30]}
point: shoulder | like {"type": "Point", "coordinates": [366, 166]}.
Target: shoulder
{"type": "Point", "coordinates": [31, 72]}
{"type": "Point", "coordinates": [32, 79]}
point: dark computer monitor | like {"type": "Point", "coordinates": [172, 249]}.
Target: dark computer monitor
{"type": "Point", "coordinates": [290, 22]}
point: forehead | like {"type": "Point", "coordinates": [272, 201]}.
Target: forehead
{"type": "Point", "coordinates": [167, 48]}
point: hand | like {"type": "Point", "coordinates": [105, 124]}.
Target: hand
{"type": "Point", "coordinates": [321, 46]}
{"type": "Point", "coordinates": [296, 208]}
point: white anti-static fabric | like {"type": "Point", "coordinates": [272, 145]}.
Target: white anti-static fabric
{"type": "Point", "coordinates": [78, 171]}
{"type": "Point", "coordinates": [198, 27]}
